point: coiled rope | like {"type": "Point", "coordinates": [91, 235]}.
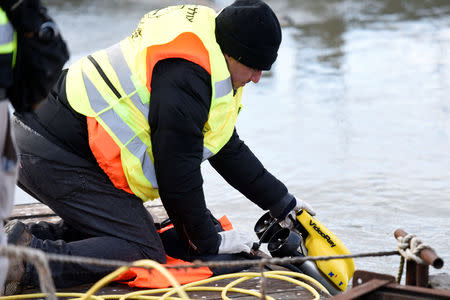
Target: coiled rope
{"type": "Point", "coordinates": [195, 286]}
{"type": "Point", "coordinates": [40, 259]}
{"type": "Point", "coordinates": [409, 247]}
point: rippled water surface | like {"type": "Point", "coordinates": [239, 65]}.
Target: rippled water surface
{"type": "Point", "coordinates": [354, 117]}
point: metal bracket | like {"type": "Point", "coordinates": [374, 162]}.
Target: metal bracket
{"type": "Point", "coordinates": [375, 286]}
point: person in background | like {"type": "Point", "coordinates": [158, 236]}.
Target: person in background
{"type": "Point", "coordinates": [31, 56]}
{"type": "Point", "coordinates": [134, 122]}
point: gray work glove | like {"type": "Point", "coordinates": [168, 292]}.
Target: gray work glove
{"type": "Point", "coordinates": [236, 241]}
{"type": "Point", "coordinates": [300, 205]}
{"type": "Point", "coordinates": [303, 205]}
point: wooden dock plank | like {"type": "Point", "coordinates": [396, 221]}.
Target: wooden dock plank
{"type": "Point", "coordinates": [35, 212]}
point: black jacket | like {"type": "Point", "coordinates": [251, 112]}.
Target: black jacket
{"type": "Point", "coordinates": [179, 107]}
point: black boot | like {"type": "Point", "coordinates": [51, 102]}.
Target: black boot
{"type": "Point", "coordinates": [18, 235]}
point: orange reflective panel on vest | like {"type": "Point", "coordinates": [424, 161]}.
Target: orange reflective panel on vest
{"type": "Point", "coordinates": [107, 153]}
{"type": "Point", "coordinates": [187, 45]}
{"type": "Point", "coordinates": [145, 278]}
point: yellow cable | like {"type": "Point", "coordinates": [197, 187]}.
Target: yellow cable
{"type": "Point", "coordinates": [43, 295]}
{"type": "Point", "coordinates": [304, 277]}
{"type": "Point", "coordinates": [188, 289]}
{"type": "Point", "coordinates": [253, 274]}
{"type": "Point", "coordinates": [230, 286]}
{"type": "Point", "coordinates": [181, 290]}
{"type": "Point", "coordinates": [274, 276]}
{"type": "Point", "coordinates": [245, 275]}
{"type": "Point", "coordinates": [281, 275]}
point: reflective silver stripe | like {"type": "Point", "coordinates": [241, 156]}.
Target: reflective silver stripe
{"type": "Point", "coordinates": [118, 126]}
{"type": "Point", "coordinates": [97, 102]}
{"type": "Point", "coordinates": [206, 153]}
{"type": "Point", "coordinates": [6, 33]}
{"type": "Point", "coordinates": [123, 72]}
{"type": "Point", "coordinates": [121, 129]}
{"type": "Point", "coordinates": [223, 87]}
{"type": "Point", "coordinates": [139, 149]}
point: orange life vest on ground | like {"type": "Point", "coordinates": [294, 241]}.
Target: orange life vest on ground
{"type": "Point", "coordinates": [145, 278]}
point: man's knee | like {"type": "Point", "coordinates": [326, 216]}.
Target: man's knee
{"type": "Point", "coordinates": [154, 252]}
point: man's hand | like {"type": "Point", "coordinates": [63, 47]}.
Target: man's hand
{"type": "Point", "coordinates": [288, 222]}
{"type": "Point", "coordinates": [234, 241]}
{"type": "Point", "coordinates": [303, 205]}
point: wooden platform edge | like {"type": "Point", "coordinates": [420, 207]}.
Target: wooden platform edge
{"type": "Point", "coordinates": [34, 212]}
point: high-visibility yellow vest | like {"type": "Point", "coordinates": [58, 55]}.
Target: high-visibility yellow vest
{"type": "Point", "coordinates": [112, 88]}
{"type": "Point", "coordinates": [8, 39]}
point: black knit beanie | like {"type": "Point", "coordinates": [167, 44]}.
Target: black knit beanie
{"type": "Point", "coordinates": [249, 31]}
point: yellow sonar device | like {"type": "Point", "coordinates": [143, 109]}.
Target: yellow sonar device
{"type": "Point", "coordinates": [322, 242]}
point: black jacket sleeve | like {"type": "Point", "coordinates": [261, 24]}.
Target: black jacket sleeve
{"type": "Point", "coordinates": [179, 107]}
{"type": "Point", "coordinates": [236, 163]}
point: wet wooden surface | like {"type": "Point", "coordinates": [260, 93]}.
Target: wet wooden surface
{"type": "Point", "coordinates": [274, 288]}
{"type": "Point", "coordinates": [36, 212]}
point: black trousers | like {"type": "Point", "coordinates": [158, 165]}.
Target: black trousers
{"type": "Point", "coordinates": [99, 220]}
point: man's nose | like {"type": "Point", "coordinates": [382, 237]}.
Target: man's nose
{"type": "Point", "coordinates": [256, 76]}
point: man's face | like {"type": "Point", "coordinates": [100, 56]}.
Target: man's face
{"type": "Point", "coordinates": [240, 73]}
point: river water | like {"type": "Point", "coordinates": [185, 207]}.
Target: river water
{"type": "Point", "coordinates": [354, 117]}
